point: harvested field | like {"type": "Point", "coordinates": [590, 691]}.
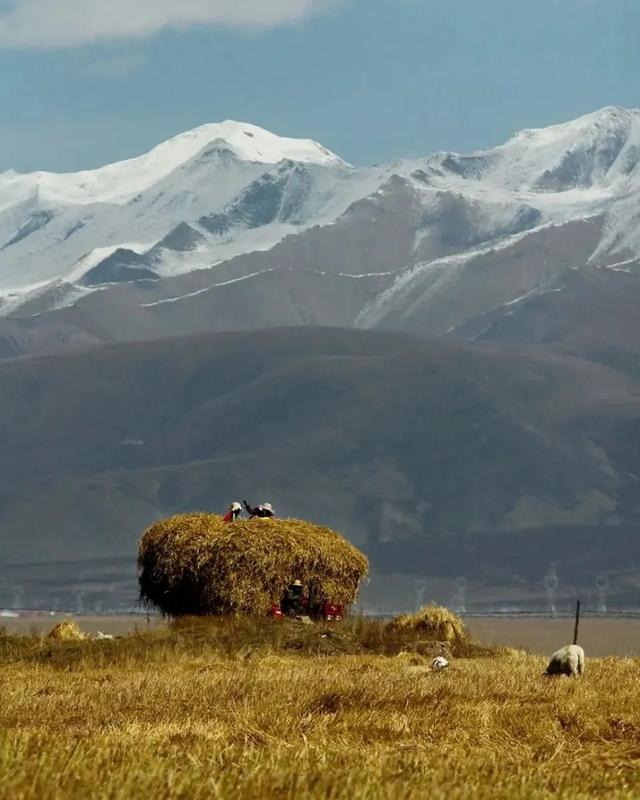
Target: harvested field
{"type": "Point", "coordinates": [227, 710]}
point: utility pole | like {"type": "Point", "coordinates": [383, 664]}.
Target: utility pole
{"type": "Point", "coordinates": [577, 625]}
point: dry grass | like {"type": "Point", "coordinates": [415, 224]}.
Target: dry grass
{"type": "Point", "coordinates": [222, 711]}
{"type": "Point", "coordinates": [197, 564]}
{"type": "Point", "coordinates": [435, 622]}
{"type": "Point", "coordinates": [66, 631]}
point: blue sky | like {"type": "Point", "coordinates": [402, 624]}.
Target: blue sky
{"type": "Point", "coordinates": [373, 80]}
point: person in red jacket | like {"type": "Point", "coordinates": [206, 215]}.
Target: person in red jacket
{"type": "Point", "coordinates": [235, 509]}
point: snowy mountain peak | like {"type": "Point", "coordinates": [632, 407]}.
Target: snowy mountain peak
{"type": "Point", "coordinates": [251, 143]}
{"type": "Point", "coordinates": [594, 150]}
{"type": "Point", "coordinates": [602, 129]}
{"type": "Point", "coordinates": [594, 123]}
{"type": "Point", "coordinates": [122, 180]}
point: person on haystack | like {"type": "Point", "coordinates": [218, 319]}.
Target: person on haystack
{"type": "Point", "coordinates": [235, 509]}
{"type": "Point", "coordinates": [263, 511]}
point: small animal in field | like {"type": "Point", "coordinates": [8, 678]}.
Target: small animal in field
{"type": "Point", "coordinates": [439, 663]}
{"type": "Point", "coordinates": [102, 635]}
{"type": "Point", "coordinates": [568, 660]}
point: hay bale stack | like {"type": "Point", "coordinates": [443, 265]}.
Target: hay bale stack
{"type": "Point", "coordinates": [197, 564]}
{"type": "Point", "coordinates": [435, 622]}
{"type": "Point", "coordinates": [67, 631]}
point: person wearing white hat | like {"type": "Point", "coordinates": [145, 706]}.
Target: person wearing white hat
{"type": "Point", "coordinates": [263, 511]}
{"type": "Point", "coordinates": [292, 605]}
{"type": "Point", "coordinates": [235, 509]}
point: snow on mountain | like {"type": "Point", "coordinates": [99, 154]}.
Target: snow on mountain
{"type": "Point", "coordinates": [211, 195]}
{"type": "Point", "coordinates": [123, 180]}
{"type": "Point", "coordinates": [54, 226]}
{"type": "Point", "coordinates": [592, 152]}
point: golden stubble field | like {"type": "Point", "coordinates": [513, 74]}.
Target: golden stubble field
{"type": "Point", "coordinates": [192, 714]}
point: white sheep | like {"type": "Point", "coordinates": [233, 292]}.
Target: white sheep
{"type": "Point", "coordinates": [568, 660]}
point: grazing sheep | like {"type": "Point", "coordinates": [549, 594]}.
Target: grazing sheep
{"type": "Point", "coordinates": [439, 663]}
{"type": "Point", "coordinates": [568, 660]}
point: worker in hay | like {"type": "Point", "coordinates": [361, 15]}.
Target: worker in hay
{"type": "Point", "coordinates": [235, 509]}
{"type": "Point", "coordinates": [263, 511]}
{"type": "Point", "coordinates": [293, 601]}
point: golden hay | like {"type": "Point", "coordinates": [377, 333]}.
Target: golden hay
{"type": "Point", "coordinates": [67, 631]}
{"type": "Point", "coordinates": [436, 622]}
{"type": "Point", "coordinates": [197, 564]}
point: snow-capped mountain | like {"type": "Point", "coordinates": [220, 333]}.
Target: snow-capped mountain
{"type": "Point", "coordinates": [58, 227]}
{"type": "Point", "coordinates": [230, 226]}
{"type": "Point", "coordinates": [594, 151]}
{"type": "Point", "coordinates": [122, 181]}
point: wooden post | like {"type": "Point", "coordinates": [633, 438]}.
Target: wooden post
{"type": "Point", "coordinates": [577, 625]}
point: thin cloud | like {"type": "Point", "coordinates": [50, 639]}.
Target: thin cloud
{"type": "Point", "coordinates": [74, 23]}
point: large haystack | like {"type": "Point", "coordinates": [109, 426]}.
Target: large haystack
{"type": "Point", "coordinates": [198, 564]}
{"type": "Point", "coordinates": [435, 622]}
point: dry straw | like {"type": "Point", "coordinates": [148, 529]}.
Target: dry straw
{"type": "Point", "coordinates": [435, 622]}
{"type": "Point", "coordinates": [198, 564]}
{"type": "Point", "coordinates": [67, 631]}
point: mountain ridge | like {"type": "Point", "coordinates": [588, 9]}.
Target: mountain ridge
{"type": "Point", "coordinates": [211, 202]}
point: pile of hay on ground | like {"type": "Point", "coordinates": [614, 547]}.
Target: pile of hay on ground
{"type": "Point", "coordinates": [197, 564]}
{"type": "Point", "coordinates": [435, 622]}
{"type": "Point", "coordinates": [67, 631]}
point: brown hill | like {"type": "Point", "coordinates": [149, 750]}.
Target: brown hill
{"type": "Point", "coordinates": [422, 452]}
